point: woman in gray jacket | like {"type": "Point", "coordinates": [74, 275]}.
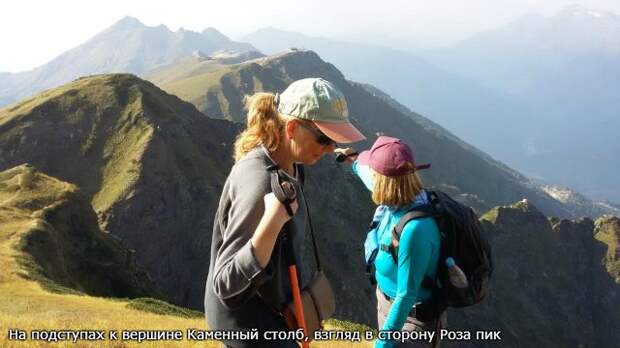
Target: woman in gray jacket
{"type": "Point", "coordinates": [248, 277]}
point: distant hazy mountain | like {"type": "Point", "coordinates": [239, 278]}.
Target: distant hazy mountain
{"type": "Point", "coordinates": [577, 202]}
{"type": "Point", "coordinates": [462, 106]}
{"type": "Point", "coordinates": [567, 67]}
{"type": "Point", "coordinates": [519, 56]}
{"type": "Point", "coordinates": [127, 46]}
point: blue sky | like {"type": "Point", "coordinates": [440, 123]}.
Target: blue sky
{"type": "Point", "coordinates": [34, 32]}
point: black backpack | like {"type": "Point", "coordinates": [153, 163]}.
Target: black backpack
{"type": "Point", "coordinates": [462, 240]}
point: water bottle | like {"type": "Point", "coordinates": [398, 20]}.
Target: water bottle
{"type": "Point", "coordinates": [457, 277]}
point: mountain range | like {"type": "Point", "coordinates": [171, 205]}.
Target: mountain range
{"type": "Point", "coordinates": [521, 93]}
{"type": "Point", "coordinates": [126, 46]}
{"type": "Point", "coordinates": [566, 67]}
{"type": "Point", "coordinates": [152, 167]}
{"type": "Point", "coordinates": [531, 133]}
{"type": "Point", "coordinates": [461, 105]}
{"type": "Point", "coordinates": [150, 158]}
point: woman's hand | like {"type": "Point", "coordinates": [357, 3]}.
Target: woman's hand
{"type": "Point", "coordinates": [349, 153]}
{"type": "Point", "coordinates": [275, 210]}
{"type": "Point", "coordinates": [269, 227]}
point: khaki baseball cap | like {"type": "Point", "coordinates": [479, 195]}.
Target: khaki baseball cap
{"type": "Point", "coordinates": [319, 101]}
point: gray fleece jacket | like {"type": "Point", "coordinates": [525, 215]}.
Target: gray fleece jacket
{"type": "Point", "coordinates": [239, 294]}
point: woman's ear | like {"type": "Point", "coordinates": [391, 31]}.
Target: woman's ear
{"type": "Point", "coordinates": [290, 127]}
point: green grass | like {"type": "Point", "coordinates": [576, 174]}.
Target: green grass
{"type": "Point", "coordinates": [349, 326]}
{"type": "Point", "coordinates": [61, 246]}
{"type": "Point", "coordinates": [152, 305]}
{"type": "Point", "coordinates": [34, 272]}
{"type": "Point", "coordinates": [193, 89]}
{"type": "Point", "coordinates": [523, 206]}
{"type": "Point", "coordinates": [490, 215]}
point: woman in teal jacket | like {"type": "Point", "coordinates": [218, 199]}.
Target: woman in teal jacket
{"type": "Point", "coordinates": [388, 170]}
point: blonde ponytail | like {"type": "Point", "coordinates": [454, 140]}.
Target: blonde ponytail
{"type": "Point", "coordinates": [264, 125]}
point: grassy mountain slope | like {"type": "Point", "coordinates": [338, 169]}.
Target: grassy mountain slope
{"type": "Point", "coordinates": [58, 241]}
{"type": "Point", "coordinates": [196, 64]}
{"type": "Point", "coordinates": [53, 254]}
{"type": "Point", "coordinates": [151, 165]}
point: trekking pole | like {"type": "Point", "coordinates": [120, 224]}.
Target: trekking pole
{"type": "Point", "coordinates": [299, 308]}
{"type": "Point", "coordinates": [286, 194]}
{"type": "Point", "coordinates": [341, 157]}
{"type": "Point", "coordinates": [296, 291]}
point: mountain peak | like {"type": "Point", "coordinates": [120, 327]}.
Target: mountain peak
{"type": "Point", "coordinates": [213, 34]}
{"type": "Point", "coordinates": [522, 211]}
{"type": "Point", "coordinates": [526, 206]}
{"type": "Point", "coordinates": [297, 55]}
{"type": "Point", "coordinates": [128, 22]}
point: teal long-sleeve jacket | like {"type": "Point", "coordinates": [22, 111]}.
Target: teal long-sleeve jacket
{"type": "Point", "coordinates": [418, 254]}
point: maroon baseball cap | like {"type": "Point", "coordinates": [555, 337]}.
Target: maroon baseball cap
{"type": "Point", "coordinates": [390, 157]}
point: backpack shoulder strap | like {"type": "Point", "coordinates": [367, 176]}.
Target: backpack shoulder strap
{"type": "Point", "coordinates": [415, 213]}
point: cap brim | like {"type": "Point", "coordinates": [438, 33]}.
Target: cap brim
{"type": "Point", "coordinates": [422, 166]}
{"type": "Point", "coordinates": [340, 132]}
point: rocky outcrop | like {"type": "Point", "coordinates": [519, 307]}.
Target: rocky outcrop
{"type": "Point", "coordinates": [607, 231]}
{"type": "Point", "coordinates": [550, 287]}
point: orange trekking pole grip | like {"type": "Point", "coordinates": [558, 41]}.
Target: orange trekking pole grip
{"type": "Point", "coordinates": [299, 308]}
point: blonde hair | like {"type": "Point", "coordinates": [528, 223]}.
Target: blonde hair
{"type": "Point", "coordinates": [264, 125]}
{"type": "Point", "coordinates": [396, 190]}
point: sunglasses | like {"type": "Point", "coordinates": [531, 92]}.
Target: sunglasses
{"type": "Point", "coordinates": [320, 138]}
